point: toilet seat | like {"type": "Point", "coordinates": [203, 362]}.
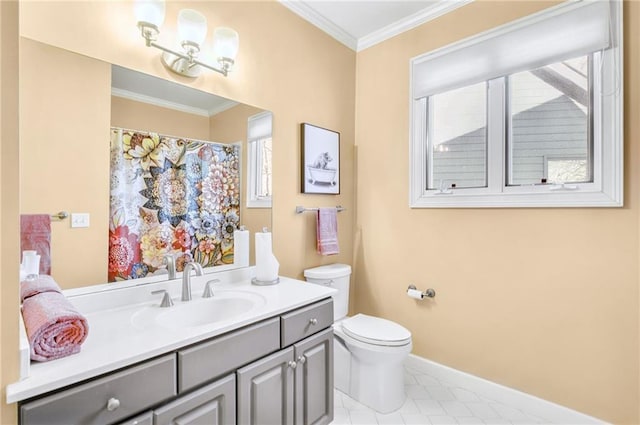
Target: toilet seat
{"type": "Point", "coordinates": [376, 331]}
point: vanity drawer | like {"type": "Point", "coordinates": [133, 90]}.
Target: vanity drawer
{"type": "Point", "coordinates": [306, 321]}
{"type": "Point", "coordinates": [132, 390]}
{"type": "Point", "coordinates": [208, 360]}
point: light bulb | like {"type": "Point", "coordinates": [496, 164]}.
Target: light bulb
{"type": "Point", "coordinates": [225, 43]}
{"type": "Point", "coordinates": [192, 26]}
{"type": "Point", "coordinates": [149, 11]}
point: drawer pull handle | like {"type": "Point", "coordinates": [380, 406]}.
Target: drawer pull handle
{"type": "Point", "coordinates": [302, 359]}
{"type": "Point", "coordinates": [113, 404]}
{"type": "Point", "coordinates": [292, 364]}
{"type": "Point", "coordinates": [313, 321]}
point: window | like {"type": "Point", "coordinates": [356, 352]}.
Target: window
{"type": "Point", "coordinates": [259, 164]}
{"type": "Point", "coordinates": [549, 110]}
{"type": "Point", "coordinates": [457, 140]}
{"type": "Point", "coordinates": [529, 114]}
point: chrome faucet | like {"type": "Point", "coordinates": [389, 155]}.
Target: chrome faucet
{"type": "Point", "coordinates": [186, 278]}
{"type": "Point", "coordinates": [170, 261]}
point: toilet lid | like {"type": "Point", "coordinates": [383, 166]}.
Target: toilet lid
{"type": "Point", "coordinates": [377, 331]}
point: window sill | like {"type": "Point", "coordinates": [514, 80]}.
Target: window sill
{"type": "Point", "coordinates": [259, 203]}
{"type": "Point", "coordinates": [457, 199]}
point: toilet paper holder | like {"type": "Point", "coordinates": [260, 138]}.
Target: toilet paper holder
{"type": "Point", "coordinates": [429, 293]}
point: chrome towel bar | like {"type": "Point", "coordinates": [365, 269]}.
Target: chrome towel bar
{"type": "Point", "coordinates": [300, 210]}
{"type": "Point", "coordinates": [60, 216]}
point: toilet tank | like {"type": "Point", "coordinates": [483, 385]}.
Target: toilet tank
{"type": "Point", "coordinates": [336, 276]}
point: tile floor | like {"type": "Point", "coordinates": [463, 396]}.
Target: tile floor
{"type": "Point", "coordinates": [432, 401]}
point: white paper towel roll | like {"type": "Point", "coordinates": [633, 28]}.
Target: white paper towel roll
{"type": "Point", "coordinates": [267, 265]}
{"type": "Point", "coordinates": [414, 293]}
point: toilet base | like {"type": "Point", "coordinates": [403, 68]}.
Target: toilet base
{"type": "Point", "coordinates": [380, 388]}
{"type": "Point", "coordinates": [374, 376]}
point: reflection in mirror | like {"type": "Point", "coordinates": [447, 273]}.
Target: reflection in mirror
{"type": "Point", "coordinates": [203, 141]}
{"type": "Point", "coordinates": [173, 200]}
{"type": "Point", "coordinates": [65, 115]}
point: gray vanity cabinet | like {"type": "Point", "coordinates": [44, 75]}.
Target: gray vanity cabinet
{"type": "Point", "coordinates": [276, 371]}
{"type": "Point", "coordinates": [314, 379]}
{"type": "Point", "coordinates": [266, 390]}
{"type": "Point", "coordinates": [292, 387]}
{"type": "Point", "coordinates": [107, 399]}
{"type": "Point", "coordinates": [213, 404]}
{"type": "Point", "coordinates": [143, 419]}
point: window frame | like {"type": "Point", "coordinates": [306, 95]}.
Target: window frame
{"type": "Point", "coordinates": [606, 189]}
{"type": "Point", "coordinates": [254, 169]}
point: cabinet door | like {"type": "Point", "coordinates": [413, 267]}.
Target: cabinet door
{"type": "Point", "coordinates": [144, 419]}
{"type": "Point", "coordinates": [213, 404]}
{"type": "Point", "coordinates": [314, 379]}
{"type": "Point", "coordinates": [265, 390]}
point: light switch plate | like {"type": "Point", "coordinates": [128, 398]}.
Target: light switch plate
{"type": "Point", "coordinates": [80, 220]}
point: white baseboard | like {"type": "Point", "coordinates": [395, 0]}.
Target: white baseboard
{"type": "Point", "coordinates": [554, 413]}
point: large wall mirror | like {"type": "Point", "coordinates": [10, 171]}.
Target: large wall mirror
{"type": "Point", "coordinates": [69, 106]}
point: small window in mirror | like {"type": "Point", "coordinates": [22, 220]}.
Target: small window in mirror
{"type": "Point", "coordinates": [259, 182]}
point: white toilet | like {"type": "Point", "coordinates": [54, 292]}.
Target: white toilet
{"type": "Point", "coordinates": [368, 351]}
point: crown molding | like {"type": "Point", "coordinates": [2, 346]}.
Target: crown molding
{"type": "Point", "coordinates": [310, 15]}
{"type": "Point", "coordinates": [222, 107]}
{"type": "Point", "coordinates": [304, 11]}
{"type": "Point", "coordinates": [412, 21]}
{"type": "Point", "coordinates": [158, 102]}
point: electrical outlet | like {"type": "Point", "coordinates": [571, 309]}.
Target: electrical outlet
{"type": "Point", "coordinates": [80, 220]}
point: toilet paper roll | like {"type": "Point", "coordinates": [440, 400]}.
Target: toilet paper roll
{"type": "Point", "coordinates": [241, 248]}
{"type": "Point", "coordinates": [414, 293]}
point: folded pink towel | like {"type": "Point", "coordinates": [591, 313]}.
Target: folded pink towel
{"type": "Point", "coordinates": [54, 327]}
{"type": "Point", "coordinates": [327, 231]}
{"type": "Point", "coordinates": [42, 283]}
{"type": "Point", "coordinates": [35, 234]}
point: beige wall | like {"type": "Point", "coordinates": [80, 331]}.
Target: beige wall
{"type": "Point", "coordinates": [64, 166]}
{"type": "Point", "coordinates": [9, 257]}
{"type": "Point", "coordinates": [541, 300]}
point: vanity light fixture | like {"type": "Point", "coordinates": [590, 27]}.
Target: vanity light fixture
{"type": "Point", "coordinates": [192, 31]}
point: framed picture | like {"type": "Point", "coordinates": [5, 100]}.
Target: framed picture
{"type": "Point", "coordinates": [320, 160]}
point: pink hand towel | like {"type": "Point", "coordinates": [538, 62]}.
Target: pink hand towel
{"type": "Point", "coordinates": [327, 231]}
{"type": "Point", "coordinates": [35, 234]}
{"type": "Point", "coordinates": [54, 327]}
{"type": "Point", "coordinates": [43, 283]}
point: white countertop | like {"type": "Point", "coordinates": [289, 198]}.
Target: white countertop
{"type": "Point", "coordinates": [114, 342]}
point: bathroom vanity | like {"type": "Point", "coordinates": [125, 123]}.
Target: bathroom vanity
{"type": "Point", "coordinates": [272, 363]}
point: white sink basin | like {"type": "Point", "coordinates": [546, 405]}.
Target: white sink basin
{"type": "Point", "coordinates": [224, 305]}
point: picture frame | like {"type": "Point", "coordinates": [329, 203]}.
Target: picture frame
{"type": "Point", "coordinates": [320, 148]}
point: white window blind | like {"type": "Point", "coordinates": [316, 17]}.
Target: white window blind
{"type": "Point", "coordinates": [574, 29]}
{"type": "Point", "coordinates": [259, 127]}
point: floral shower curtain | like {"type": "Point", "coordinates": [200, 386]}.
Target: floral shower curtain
{"type": "Point", "coordinates": [170, 195]}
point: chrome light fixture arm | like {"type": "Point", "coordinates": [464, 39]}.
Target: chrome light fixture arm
{"type": "Point", "coordinates": [181, 62]}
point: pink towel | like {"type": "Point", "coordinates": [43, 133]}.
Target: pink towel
{"type": "Point", "coordinates": [43, 283]}
{"type": "Point", "coordinates": [327, 231]}
{"type": "Point", "coordinates": [54, 327]}
{"type": "Point", "coordinates": [35, 234]}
